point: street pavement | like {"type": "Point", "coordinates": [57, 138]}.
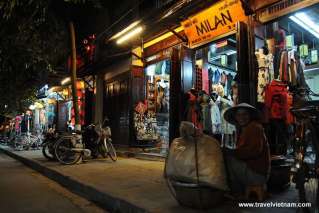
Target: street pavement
{"type": "Point", "coordinates": [131, 185]}
{"type": "Point", "coordinates": [23, 190]}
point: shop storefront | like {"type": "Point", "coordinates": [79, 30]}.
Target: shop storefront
{"type": "Point", "coordinates": [286, 43]}
{"type": "Point", "coordinates": [157, 111]}
{"type": "Point", "coordinates": [286, 53]}
{"type": "Point", "coordinates": [53, 109]}
{"type": "Point", "coordinates": [219, 39]}
{"type": "Point", "coordinates": [66, 116]}
{"type": "Point", "coordinates": [189, 81]}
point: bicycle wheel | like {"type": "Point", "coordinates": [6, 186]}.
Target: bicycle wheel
{"type": "Point", "coordinates": [63, 152]}
{"type": "Point", "coordinates": [111, 150]}
{"type": "Point", "coordinates": [47, 151]}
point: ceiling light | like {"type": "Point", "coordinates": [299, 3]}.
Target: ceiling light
{"type": "Point", "coordinates": [131, 26]}
{"type": "Point", "coordinates": [32, 107]}
{"type": "Point", "coordinates": [65, 81]}
{"type": "Point", "coordinates": [129, 35]}
{"type": "Point", "coordinates": [304, 21]}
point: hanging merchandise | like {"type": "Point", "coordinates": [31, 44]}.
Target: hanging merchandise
{"type": "Point", "coordinates": [223, 60]}
{"type": "Point", "coordinates": [283, 66]}
{"type": "Point", "coordinates": [216, 76]}
{"type": "Point", "coordinates": [199, 79]}
{"type": "Point", "coordinates": [279, 38]}
{"type": "Point", "coordinates": [223, 78]}
{"type": "Point", "coordinates": [207, 122]}
{"type": "Point", "coordinates": [292, 66]}
{"type": "Point", "coordinates": [215, 115]}
{"type": "Point", "coordinates": [314, 56]}
{"type": "Point", "coordinates": [265, 72]}
{"type": "Point", "coordinates": [228, 130]}
{"type": "Point", "coordinates": [271, 45]}
{"type": "Point", "coordinates": [193, 109]}
{"type": "Point", "coordinates": [303, 50]}
{"type": "Point", "coordinates": [205, 78]}
{"type": "Point", "coordinates": [144, 123]}
{"type": "Point", "coordinates": [290, 41]}
{"type": "Point", "coordinates": [229, 84]}
{"type": "Point", "coordinates": [300, 79]}
{"type": "Point", "coordinates": [140, 108]}
{"type": "Point", "coordinates": [276, 100]}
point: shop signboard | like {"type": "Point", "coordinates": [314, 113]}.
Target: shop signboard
{"type": "Point", "coordinates": [219, 19]}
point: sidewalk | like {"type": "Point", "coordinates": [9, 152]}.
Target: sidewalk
{"type": "Point", "coordinates": [129, 185]}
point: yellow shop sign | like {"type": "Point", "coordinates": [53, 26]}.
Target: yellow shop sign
{"type": "Point", "coordinates": [218, 19]}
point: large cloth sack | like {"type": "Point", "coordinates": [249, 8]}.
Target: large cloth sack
{"type": "Point", "coordinates": [181, 161]}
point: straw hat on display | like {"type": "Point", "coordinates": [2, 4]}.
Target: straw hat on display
{"type": "Point", "coordinates": [229, 114]}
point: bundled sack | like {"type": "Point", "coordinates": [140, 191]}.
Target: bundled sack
{"type": "Point", "coordinates": [181, 161]}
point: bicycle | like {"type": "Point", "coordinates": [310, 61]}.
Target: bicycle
{"type": "Point", "coordinates": [306, 148]}
{"type": "Point", "coordinates": [28, 141]}
{"type": "Point", "coordinates": [70, 149]}
{"type": "Point", "coordinates": [106, 148]}
{"type": "Point", "coordinates": [48, 144]}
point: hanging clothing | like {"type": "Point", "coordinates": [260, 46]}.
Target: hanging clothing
{"type": "Point", "coordinates": [265, 73]}
{"type": "Point", "coordinates": [283, 67]}
{"type": "Point", "coordinates": [229, 141]}
{"type": "Point", "coordinates": [205, 77]}
{"type": "Point", "coordinates": [215, 116]}
{"type": "Point", "coordinates": [261, 84]}
{"type": "Point", "coordinates": [277, 57]}
{"type": "Point", "coordinates": [206, 117]}
{"type": "Point", "coordinates": [216, 76]}
{"type": "Point", "coordinates": [279, 37]}
{"type": "Point", "coordinates": [199, 79]}
{"type": "Point", "coordinates": [269, 60]}
{"type": "Point", "coordinates": [300, 66]}
{"type": "Point", "coordinates": [229, 83]}
{"type": "Point", "coordinates": [276, 100]}
{"type": "Point", "coordinates": [226, 127]}
{"type": "Point", "coordinates": [193, 110]}
{"type": "Point", "coordinates": [223, 78]}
